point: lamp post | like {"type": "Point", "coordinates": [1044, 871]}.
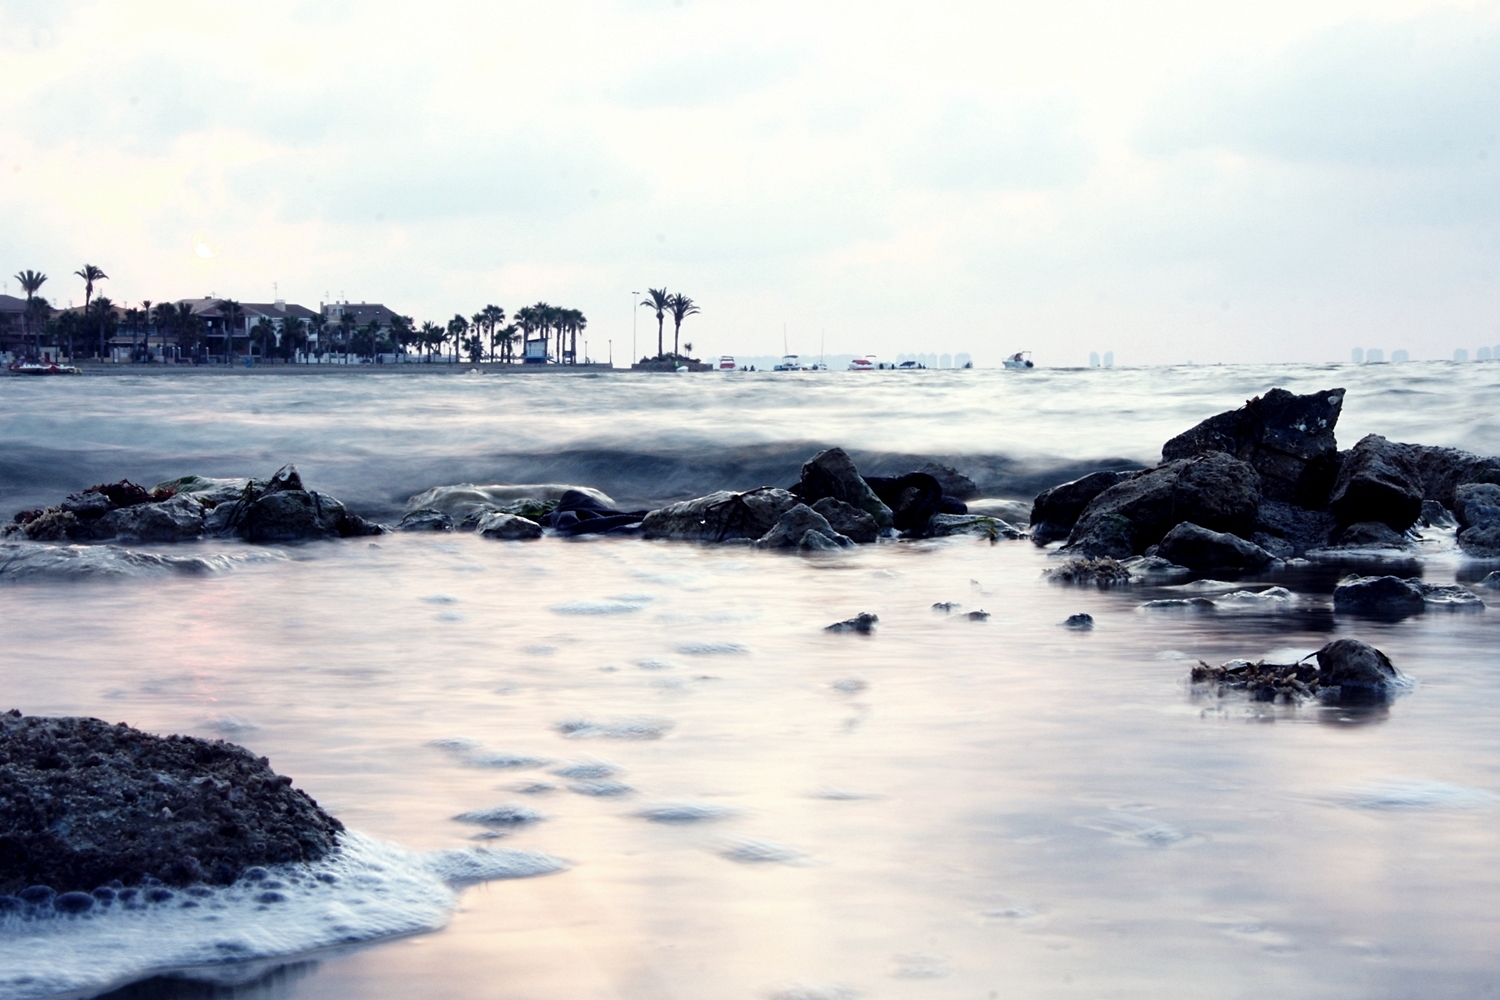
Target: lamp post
{"type": "Point", "coordinates": [634, 314]}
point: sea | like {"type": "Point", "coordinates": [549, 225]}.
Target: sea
{"type": "Point", "coordinates": [605, 767]}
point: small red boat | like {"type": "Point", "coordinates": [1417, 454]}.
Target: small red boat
{"type": "Point", "coordinates": [42, 368]}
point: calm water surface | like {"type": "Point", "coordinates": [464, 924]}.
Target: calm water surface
{"type": "Point", "coordinates": [947, 808]}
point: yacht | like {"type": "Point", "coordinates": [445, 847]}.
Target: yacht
{"type": "Point", "coordinates": [788, 363]}
{"type": "Point", "coordinates": [1019, 361]}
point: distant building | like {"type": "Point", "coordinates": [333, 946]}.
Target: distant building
{"type": "Point", "coordinates": [360, 312]}
{"type": "Point", "coordinates": [12, 323]}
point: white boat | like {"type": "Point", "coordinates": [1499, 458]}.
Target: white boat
{"type": "Point", "coordinates": [726, 363]}
{"type": "Point", "coordinates": [788, 363]}
{"type": "Point", "coordinates": [1019, 361]}
{"type": "Point", "coordinates": [42, 368]}
{"type": "Point", "coordinates": [864, 364]}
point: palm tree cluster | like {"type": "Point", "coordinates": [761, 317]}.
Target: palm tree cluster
{"type": "Point", "coordinates": [680, 307]}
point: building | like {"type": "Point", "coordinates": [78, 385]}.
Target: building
{"type": "Point", "coordinates": [360, 313]}
{"type": "Point", "coordinates": [12, 324]}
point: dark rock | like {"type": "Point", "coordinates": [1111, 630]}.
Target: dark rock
{"type": "Point", "coordinates": [1198, 548]}
{"type": "Point", "coordinates": [87, 803]}
{"type": "Point", "coordinates": [831, 473]}
{"type": "Point", "coordinates": [947, 607]}
{"type": "Point", "coordinates": [1378, 597]}
{"type": "Point", "coordinates": [1476, 504]}
{"type": "Point", "coordinates": [1481, 541]}
{"type": "Point", "coordinates": [1373, 534]}
{"type": "Point", "coordinates": [580, 513]}
{"type": "Point", "coordinates": [127, 494]}
{"type": "Point", "coordinates": [1443, 470]}
{"type": "Point", "coordinates": [87, 506]}
{"type": "Point", "coordinates": [293, 516]}
{"type": "Point", "coordinates": [1347, 671]}
{"type": "Point", "coordinates": [1492, 580]}
{"type": "Point", "coordinates": [816, 541]}
{"type": "Point", "coordinates": [912, 499]}
{"type": "Point", "coordinates": [285, 478]}
{"type": "Point", "coordinates": [1288, 439]}
{"type": "Point", "coordinates": [721, 517]}
{"type": "Point", "coordinates": [1079, 621]}
{"type": "Point", "coordinates": [978, 616]}
{"type": "Point", "coordinates": [507, 527]}
{"type": "Point", "coordinates": [848, 520]}
{"type": "Point", "coordinates": [1214, 490]}
{"type": "Point", "coordinates": [174, 520]}
{"type": "Point", "coordinates": [1056, 510]}
{"type": "Point", "coordinates": [1298, 528]}
{"type": "Point", "coordinates": [1102, 573]}
{"type": "Point", "coordinates": [954, 483]}
{"type": "Point", "coordinates": [864, 622]}
{"type": "Point", "coordinates": [1435, 515]}
{"type": "Point", "coordinates": [793, 527]}
{"type": "Point", "coordinates": [425, 519]}
{"type": "Point", "coordinates": [944, 525]}
{"type": "Point", "coordinates": [1378, 481]}
{"type": "Point", "coordinates": [1358, 670]}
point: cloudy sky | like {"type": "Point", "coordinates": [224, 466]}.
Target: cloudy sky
{"type": "Point", "coordinates": [1170, 181]}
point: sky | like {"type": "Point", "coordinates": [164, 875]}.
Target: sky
{"type": "Point", "coordinates": [1214, 182]}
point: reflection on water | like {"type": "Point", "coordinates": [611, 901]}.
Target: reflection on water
{"type": "Point", "coordinates": [953, 805]}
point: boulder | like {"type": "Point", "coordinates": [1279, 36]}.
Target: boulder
{"type": "Point", "coordinates": [1378, 481]}
{"type": "Point", "coordinates": [1082, 621]}
{"type": "Point", "coordinates": [864, 623]}
{"type": "Point", "coordinates": [1214, 490]}
{"type": "Point", "coordinates": [1102, 573]}
{"type": "Point", "coordinates": [943, 525]}
{"type": "Point", "coordinates": [721, 517]}
{"type": "Point", "coordinates": [508, 527]}
{"type": "Point", "coordinates": [87, 803]}
{"type": "Point", "coordinates": [1056, 510]}
{"type": "Point", "coordinates": [174, 520]}
{"type": "Point", "coordinates": [1491, 580]}
{"type": "Point", "coordinates": [1286, 530]}
{"type": "Point", "coordinates": [1374, 535]}
{"type": "Point", "coordinates": [831, 473]}
{"type": "Point", "coordinates": [1198, 548]}
{"type": "Point", "coordinates": [1481, 541]}
{"type": "Point", "coordinates": [1435, 515]}
{"type": "Point", "coordinates": [913, 499]}
{"type": "Point", "coordinates": [1287, 438]}
{"type": "Point", "coordinates": [1358, 670]}
{"type": "Point", "coordinates": [954, 483]}
{"type": "Point", "coordinates": [425, 519]}
{"type": "Point", "coordinates": [1378, 597]}
{"type": "Point", "coordinates": [291, 515]}
{"type": "Point", "coordinates": [463, 501]}
{"type": "Point", "coordinates": [792, 529]}
{"type": "Point", "coordinates": [848, 520]}
{"type": "Point", "coordinates": [87, 506]}
{"type": "Point", "coordinates": [1476, 504]}
{"type": "Point", "coordinates": [580, 513]}
{"type": "Point", "coordinates": [1443, 470]}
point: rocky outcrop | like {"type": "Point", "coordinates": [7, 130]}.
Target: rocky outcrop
{"type": "Point", "coordinates": [1372, 535]}
{"type": "Point", "coordinates": [1443, 470]}
{"type": "Point", "coordinates": [796, 529]}
{"type": "Point", "coordinates": [87, 802]}
{"type": "Point", "coordinates": [466, 502]}
{"type": "Point", "coordinates": [177, 519]}
{"type": "Point", "coordinates": [1378, 481]}
{"type": "Point", "coordinates": [863, 623]}
{"type": "Point", "coordinates": [1198, 548]}
{"type": "Point", "coordinates": [721, 517]}
{"type": "Point", "coordinates": [580, 513]}
{"type": "Point", "coordinates": [1345, 671]}
{"type": "Point", "coordinates": [954, 483]}
{"type": "Point", "coordinates": [992, 528]}
{"type": "Point", "coordinates": [1056, 510]}
{"type": "Point", "coordinates": [1286, 530]}
{"type": "Point", "coordinates": [848, 520]}
{"type": "Point", "coordinates": [1288, 439]}
{"type": "Point", "coordinates": [832, 473]}
{"type": "Point", "coordinates": [507, 527]}
{"type": "Point", "coordinates": [1477, 509]}
{"type": "Point", "coordinates": [913, 499]}
{"type": "Point", "coordinates": [1392, 597]}
{"type": "Point", "coordinates": [1213, 490]}
{"type": "Point", "coordinates": [425, 519]}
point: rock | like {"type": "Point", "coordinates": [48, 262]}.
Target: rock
{"type": "Point", "coordinates": [831, 473]}
{"type": "Point", "coordinates": [1448, 597]}
{"type": "Point", "coordinates": [1198, 548]}
{"type": "Point", "coordinates": [1378, 597]}
{"type": "Point", "coordinates": [1492, 581]}
{"type": "Point", "coordinates": [87, 506]}
{"type": "Point", "coordinates": [943, 525]}
{"type": "Point", "coordinates": [127, 494]}
{"type": "Point", "coordinates": [864, 623]}
{"type": "Point", "coordinates": [1288, 439]}
{"type": "Point", "coordinates": [1373, 534]}
{"type": "Point", "coordinates": [1378, 481]}
{"type": "Point", "coordinates": [1358, 670]}
{"type": "Point", "coordinates": [720, 517]}
{"type": "Point", "coordinates": [1102, 573]}
{"type": "Point", "coordinates": [1080, 621]}
{"type": "Point", "coordinates": [463, 501]}
{"type": "Point", "coordinates": [816, 541]}
{"type": "Point", "coordinates": [178, 519]}
{"type": "Point", "coordinates": [1443, 470]}
{"type": "Point", "coordinates": [1476, 504]}
{"type": "Point", "coordinates": [1481, 541]}
{"type": "Point", "coordinates": [912, 499]}
{"type": "Point", "coordinates": [793, 527]}
{"type": "Point", "coordinates": [425, 519]}
{"type": "Point", "coordinates": [292, 515]}
{"type": "Point", "coordinates": [507, 527]}
{"type": "Point", "coordinates": [87, 803]}
{"type": "Point", "coordinates": [1056, 510]}
{"type": "Point", "coordinates": [1214, 490]}
{"type": "Point", "coordinates": [50, 525]}
{"type": "Point", "coordinates": [579, 513]}
{"type": "Point", "coordinates": [953, 483]}
{"type": "Point", "coordinates": [1435, 515]}
{"type": "Point", "coordinates": [848, 520]}
{"type": "Point", "coordinates": [978, 616]}
{"type": "Point", "coordinates": [1154, 570]}
{"type": "Point", "coordinates": [1295, 527]}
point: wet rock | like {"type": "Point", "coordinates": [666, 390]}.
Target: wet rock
{"type": "Point", "coordinates": [87, 506]}
{"type": "Point", "coordinates": [507, 527]}
{"type": "Point", "coordinates": [831, 473]}
{"type": "Point", "coordinates": [848, 520]}
{"type": "Point", "coordinates": [1373, 534]}
{"type": "Point", "coordinates": [175, 520]}
{"type": "Point", "coordinates": [978, 616]}
{"type": "Point", "coordinates": [579, 513]}
{"type": "Point", "coordinates": [1443, 470]}
{"type": "Point", "coordinates": [1297, 528]}
{"type": "Point", "coordinates": [425, 519]}
{"type": "Point", "coordinates": [1102, 573]}
{"type": "Point", "coordinates": [1081, 621]}
{"type": "Point", "coordinates": [1378, 596]}
{"type": "Point", "coordinates": [1378, 481]}
{"type": "Point", "coordinates": [1198, 548]}
{"type": "Point", "coordinates": [50, 525]}
{"type": "Point", "coordinates": [793, 528]}
{"type": "Point", "coordinates": [1481, 541]}
{"type": "Point", "coordinates": [943, 525]}
{"type": "Point", "coordinates": [1346, 671]}
{"type": "Point", "coordinates": [466, 502]}
{"type": "Point", "coordinates": [1359, 670]}
{"type": "Point", "coordinates": [293, 515]}
{"type": "Point", "coordinates": [1448, 597]}
{"type": "Point", "coordinates": [1477, 506]}
{"type": "Point", "coordinates": [1492, 580]}
{"type": "Point", "coordinates": [720, 517]}
{"type": "Point", "coordinates": [912, 499]}
{"type": "Point", "coordinates": [1154, 570]}
{"type": "Point", "coordinates": [1287, 438]}
{"type": "Point", "coordinates": [1213, 490]}
{"type": "Point", "coordinates": [1435, 515]}
{"type": "Point", "coordinates": [864, 623]}
{"type": "Point", "coordinates": [953, 483]}
{"type": "Point", "coordinates": [1056, 510]}
{"type": "Point", "coordinates": [88, 802]}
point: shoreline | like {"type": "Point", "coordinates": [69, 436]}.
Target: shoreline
{"type": "Point", "coordinates": [96, 368]}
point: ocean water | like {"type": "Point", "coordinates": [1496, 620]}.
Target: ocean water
{"type": "Point", "coordinates": [721, 799]}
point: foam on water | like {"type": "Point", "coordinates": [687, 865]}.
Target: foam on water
{"type": "Point", "coordinates": [33, 561]}
{"type": "Point", "coordinates": [1412, 794]}
{"type": "Point", "coordinates": [366, 890]}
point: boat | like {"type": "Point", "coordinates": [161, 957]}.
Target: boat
{"type": "Point", "coordinates": [1020, 361]}
{"type": "Point", "coordinates": [42, 368]}
{"type": "Point", "coordinates": [910, 366]}
{"type": "Point", "coordinates": [864, 364]}
{"type": "Point", "coordinates": [726, 363]}
{"type": "Point", "coordinates": [788, 363]}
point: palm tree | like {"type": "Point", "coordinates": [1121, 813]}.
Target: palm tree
{"type": "Point", "coordinates": [318, 323]}
{"type": "Point", "coordinates": [231, 315]}
{"type": "Point", "coordinates": [346, 331]}
{"type": "Point", "coordinates": [264, 330]}
{"type": "Point", "coordinates": [30, 282]}
{"type": "Point", "coordinates": [494, 316]}
{"type": "Point", "coordinates": [90, 274]}
{"type": "Point", "coordinates": [430, 336]}
{"type": "Point", "coordinates": [661, 302]}
{"type": "Point", "coordinates": [401, 333]}
{"type": "Point", "coordinates": [293, 331]}
{"type": "Point", "coordinates": [103, 318]}
{"type": "Point", "coordinates": [457, 327]}
{"type": "Point", "coordinates": [505, 337]}
{"type": "Point", "coordinates": [682, 307]}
